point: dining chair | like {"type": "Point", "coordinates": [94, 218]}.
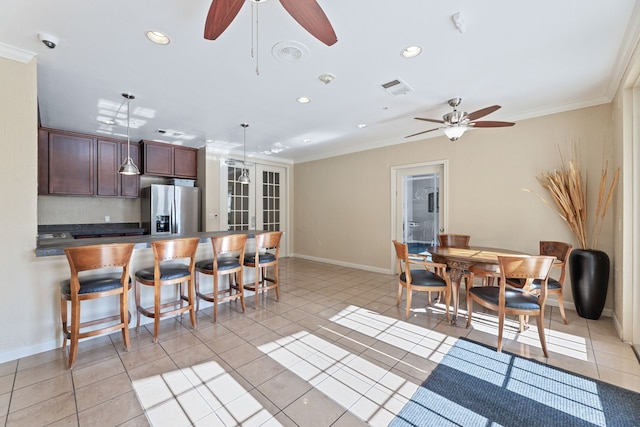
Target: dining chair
{"type": "Point", "coordinates": [561, 251]}
{"type": "Point", "coordinates": [265, 257]}
{"type": "Point", "coordinates": [454, 240]}
{"type": "Point", "coordinates": [508, 300]}
{"type": "Point", "coordinates": [228, 260]}
{"type": "Point", "coordinates": [77, 289]}
{"type": "Point", "coordinates": [429, 277]}
{"type": "Point", "coordinates": [167, 271]}
{"type": "Point", "coordinates": [457, 241]}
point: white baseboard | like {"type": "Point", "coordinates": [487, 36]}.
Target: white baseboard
{"type": "Point", "coordinates": [344, 264]}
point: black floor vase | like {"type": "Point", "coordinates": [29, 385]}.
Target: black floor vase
{"type": "Point", "coordinates": [589, 273]}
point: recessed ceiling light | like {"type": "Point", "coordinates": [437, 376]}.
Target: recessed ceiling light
{"type": "Point", "coordinates": [411, 51]}
{"type": "Point", "coordinates": [304, 100]}
{"type": "Point", "coordinates": [306, 140]}
{"type": "Point", "coordinates": [157, 37]}
{"type": "Point", "coordinates": [361, 125]}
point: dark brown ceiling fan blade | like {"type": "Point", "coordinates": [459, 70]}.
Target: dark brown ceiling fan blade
{"type": "Point", "coordinates": [312, 18]}
{"type": "Point", "coordinates": [420, 133]}
{"type": "Point", "coordinates": [429, 120]}
{"type": "Point", "coordinates": [220, 15]}
{"type": "Point", "coordinates": [481, 113]}
{"type": "Point", "coordinates": [490, 124]}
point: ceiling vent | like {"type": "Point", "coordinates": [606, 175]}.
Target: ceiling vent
{"type": "Point", "coordinates": [289, 51]}
{"type": "Point", "coordinates": [396, 87]}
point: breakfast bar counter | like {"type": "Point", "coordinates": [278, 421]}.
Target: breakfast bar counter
{"type": "Point", "coordinates": [55, 242]}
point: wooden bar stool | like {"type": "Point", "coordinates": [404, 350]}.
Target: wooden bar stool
{"type": "Point", "coordinates": [224, 263]}
{"type": "Point", "coordinates": [267, 250]}
{"type": "Point", "coordinates": [169, 273]}
{"type": "Point", "coordinates": [77, 289]}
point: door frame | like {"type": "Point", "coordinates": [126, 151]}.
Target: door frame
{"type": "Point", "coordinates": [396, 197]}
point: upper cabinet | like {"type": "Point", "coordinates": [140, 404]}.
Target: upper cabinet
{"type": "Point", "coordinates": [83, 165]}
{"type": "Point", "coordinates": [169, 160]}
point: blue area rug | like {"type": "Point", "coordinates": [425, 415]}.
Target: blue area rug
{"type": "Point", "coordinates": [476, 386]}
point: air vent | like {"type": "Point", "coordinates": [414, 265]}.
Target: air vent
{"type": "Point", "coordinates": [396, 87]}
{"type": "Point", "coordinates": [289, 51]}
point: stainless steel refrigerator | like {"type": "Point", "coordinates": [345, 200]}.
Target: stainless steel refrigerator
{"type": "Point", "coordinates": [170, 209]}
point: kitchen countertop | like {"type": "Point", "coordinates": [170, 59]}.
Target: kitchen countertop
{"type": "Point", "coordinates": [63, 239]}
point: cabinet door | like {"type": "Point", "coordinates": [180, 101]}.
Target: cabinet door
{"type": "Point", "coordinates": [43, 161]}
{"type": "Point", "coordinates": [185, 162]}
{"type": "Point", "coordinates": [130, 184]}
{"type": "Point", "coordinates": [158, 159]}
{"type": "Point", "coordinates": [108, 156]}
{"type": "Point", "coordinates": [71, 164]}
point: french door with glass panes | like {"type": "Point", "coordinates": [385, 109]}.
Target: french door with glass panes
{"type": "Point", "coordinates": [259, 205]}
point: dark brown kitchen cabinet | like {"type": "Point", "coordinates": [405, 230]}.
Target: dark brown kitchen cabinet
{"type": "Point", "coordinates": [71, 164]}
{"type": "Point", "coordinates": [108, 161]}
{"type": "Point", "coordinates": [169, 160]}
{"type": "Point", "coordinates": [185, 162]}
{"type": "Point", "coordinates": [76, 164]}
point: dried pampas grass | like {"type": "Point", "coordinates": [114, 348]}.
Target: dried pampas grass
{"type": "Point", "coordinates": [569, 192]}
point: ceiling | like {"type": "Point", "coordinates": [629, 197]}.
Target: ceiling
{"type": "Point", "coordinates": [533, 58]}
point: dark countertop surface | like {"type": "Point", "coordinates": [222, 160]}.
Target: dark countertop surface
{"type": "Point", "coordinates": [58, 238]}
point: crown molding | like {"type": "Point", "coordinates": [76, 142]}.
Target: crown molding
{"type": "Point", "coordinates": [16, 54]}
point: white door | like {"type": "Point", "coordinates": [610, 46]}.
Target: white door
{"type": "Point", "coordinates": [237, 200]}
{"type": "Point", "coordinates": [419, 205]}
{"type": "Point", "coordinates": [259, 205]}
{"type": "Point", "coordinates": [271, 201]}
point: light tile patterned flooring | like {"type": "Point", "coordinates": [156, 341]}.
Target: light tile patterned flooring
{"type": "Point", "coordinates": [334, 351]}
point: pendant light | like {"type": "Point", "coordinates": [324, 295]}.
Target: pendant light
{"type": "Point", "coordinates": [128, 167]}
{"type": "Point", "coordinates": [244, 176]}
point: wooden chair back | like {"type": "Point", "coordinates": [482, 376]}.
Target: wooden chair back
{"type": "Point", "coordinates": [269, 240]}
{"type": "Point", "coordinates": [228, 244]}
{"type": "Point", "coordinates": [561, 251]}
{"type": "Point", "coordinates": [94, 257]}
{"type": "Point", "coordinates": [527, 269]}
{"type": "Point", "coordinates": [167, 250]}
{"type": "Point", "coordinates": [454, 240]}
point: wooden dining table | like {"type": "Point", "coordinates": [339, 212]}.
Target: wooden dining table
{"type": "Point", "coordinates": [459, 260]}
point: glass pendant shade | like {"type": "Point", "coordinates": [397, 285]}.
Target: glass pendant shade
{"type": "Point", "coordinates": [128, 167]}
{"type": "Point", "coordinates": [454, 132]}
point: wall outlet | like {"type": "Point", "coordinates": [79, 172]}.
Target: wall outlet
{"type": "Point", "coordinates": [107, 218]}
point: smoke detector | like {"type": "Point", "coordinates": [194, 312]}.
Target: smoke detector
{"type": "Point", "coordinates": [326, 78]}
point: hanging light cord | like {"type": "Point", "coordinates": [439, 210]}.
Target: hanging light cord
{"type": "Point", "coordinates": [244, 146]}
{"type": "Point", "coordinates": [128, 140]}
{"type": "Point", "coordinates": [254, 37]}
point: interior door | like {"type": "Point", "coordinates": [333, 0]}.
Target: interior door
{"type": "Point", "coordinates": [419, 205]}
{"type": "Point", "coordinates": [260, 205]}
{"type": "Point", "coordinates": [271, 201]}
{"type": "Point", "coordinates": [238, 200]}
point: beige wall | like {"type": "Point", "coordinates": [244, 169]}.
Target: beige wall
{"type": "Point", "coordinates": [86, 210]}
{"type": "Point", "coordinates": [20, 284]}
{"type": "Point", "coordinates": [342, 210]}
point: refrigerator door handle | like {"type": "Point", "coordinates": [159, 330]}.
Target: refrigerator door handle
{"type": "Point", "coordinates": [173, 217]}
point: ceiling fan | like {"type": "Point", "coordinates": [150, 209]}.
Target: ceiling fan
{"type": "Point", "coordinates": [307, 13]}
{"type": "Point", "coordinates": [457, 122]}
